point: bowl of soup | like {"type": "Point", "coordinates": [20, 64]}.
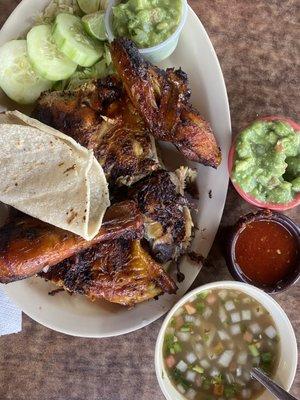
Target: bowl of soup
{"type": "Point", "coordinates": [215, 335]}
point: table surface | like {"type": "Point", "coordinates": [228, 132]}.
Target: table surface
{"type": "Point", "coordinates": [256, 44]}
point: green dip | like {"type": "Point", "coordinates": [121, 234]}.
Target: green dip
{"type": "Point", "coordinates": [267, 161]}
{"type": "Point", "coordinates": [147, 22]}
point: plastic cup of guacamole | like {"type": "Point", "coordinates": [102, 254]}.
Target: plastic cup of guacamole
{"type": "Point", "coordinates": [155, 26]}
{"type": "Point", "coordinates": [264, 163]}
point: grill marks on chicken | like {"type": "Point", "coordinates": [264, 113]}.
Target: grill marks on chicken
{"type": "Point", "coordinates": [100, 116]}
{"type": "Point", "coordinates": [28, 245]}
{"type": "Point", "coordinates": [119, 271]}
{"type": "Point", "coordinates": [161, 97]}
{"type": "Point", "coordinates": [127, 151]}
{"type": "Point", "coordinates": [78, 113]}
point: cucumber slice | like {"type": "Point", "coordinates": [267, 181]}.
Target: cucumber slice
{"type": "Point", "coordinates": [17, 77]}
{"type": "Point", "coordinates": [95, 26]}
{"type": "Point", "coordinates": [89, 6]}
{"type": "Point", "coordinates": [45, 56]}
{"type": "Point", "coordinates": [73, 41]}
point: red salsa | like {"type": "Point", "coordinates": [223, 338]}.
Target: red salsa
{"type": "Point", "coordinates": [266, 251]}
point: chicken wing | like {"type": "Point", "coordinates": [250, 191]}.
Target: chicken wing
{"type": "Point", "coordinates": [119, 271]}
{"type": "Point", "coordinates": [161, 97]}
{"type": "Point", "coordinates": [28, 245]}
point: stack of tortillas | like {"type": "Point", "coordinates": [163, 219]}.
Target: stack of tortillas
{"type": "Point", "coordinates": [49, 176]}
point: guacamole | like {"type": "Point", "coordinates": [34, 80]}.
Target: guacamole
{"type": "Point", "coordinates": [267, 161]}
{"type": "Point", "coordinates": [147, 22]}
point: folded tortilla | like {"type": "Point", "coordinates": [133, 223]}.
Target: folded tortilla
{"type": "Point", "coordinates": [49, 176]}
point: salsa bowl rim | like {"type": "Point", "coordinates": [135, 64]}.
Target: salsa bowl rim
{"type": "Point", "coordinates": [233, 234]}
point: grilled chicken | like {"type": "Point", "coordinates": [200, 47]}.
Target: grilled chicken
{"type": "Point", "coordinates": [161, 98]}
{"type": "Point", "coordinates": [119, 271]}
{"type": "Point", "coordinates": [28, 245]}
{"type": "Point", "coordinates": [117, 123]}
{"type": "Point", "coordinates": [100, 116]}
{"type": "Point", "coordinates": [168, 222]}
{"type": "Point", "coordinates": [118, 118]}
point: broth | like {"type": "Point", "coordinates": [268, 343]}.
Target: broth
{"type": "Point", "coordinates": [214, 340]}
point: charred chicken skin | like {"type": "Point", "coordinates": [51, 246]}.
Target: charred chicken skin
{"type": "Point", "coordinates": [116, 117]}
{"type": "Point", "coordinates": [119, 271]}
{"type": "Point", "coordinates": [161, 98]}
{"type": "Point", "coordinates": [100, 116]}
{"type": "Point", "coordinates": [168, 222]}
{"type": "Point", "coordinates": [28, 245]}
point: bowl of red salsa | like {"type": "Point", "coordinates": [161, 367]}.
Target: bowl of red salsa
{"type": "Point", "coordinates": [264, 250]}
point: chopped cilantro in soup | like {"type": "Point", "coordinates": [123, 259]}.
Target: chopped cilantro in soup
{"type": "Point", "coordinates": [212, 343]}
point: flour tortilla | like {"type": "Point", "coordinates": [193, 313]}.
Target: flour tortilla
{"type": "Point", "coordinates": [49, 176]}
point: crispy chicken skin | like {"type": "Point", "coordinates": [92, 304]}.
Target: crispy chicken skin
{"type": "Point", "coordinates": [100, 116]}
{"type": "Point", "coordinates": [161, 97]}
{"type": "Point", "coordinates": [28, 245]}
{"type": "Point", "coordinates": [168, 223]}
{"type": "Point", "coordinates": [119, 271]}
{"type": "Point", "coordinates": [78, 113]}
{"type": "Point", "coordinates": [127, 151]}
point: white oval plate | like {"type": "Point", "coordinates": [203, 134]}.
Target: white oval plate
{"type": "Point", "coordinates": [74, 315]}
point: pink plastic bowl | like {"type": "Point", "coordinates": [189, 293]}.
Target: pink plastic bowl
{"type": "Point", "coordinates": [250, 199]}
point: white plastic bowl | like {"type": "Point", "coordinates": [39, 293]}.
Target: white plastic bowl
{"type": "Point", "coordinates": [156, 53]}
{"type": "Point", "coordinates": [287, 366]}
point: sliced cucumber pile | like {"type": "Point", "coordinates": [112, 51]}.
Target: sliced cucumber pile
{"type": "Point", "coordinates": [45, 56]}
{"type": "Point", "coordinates": [18, 79]}
{"type": "Point", "coordinates": [73, 41]}
{"type": "Point", "coordinates": [65, 49]}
